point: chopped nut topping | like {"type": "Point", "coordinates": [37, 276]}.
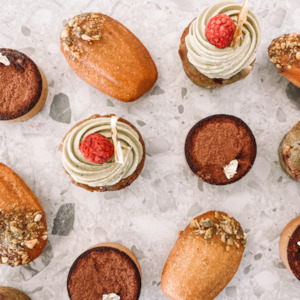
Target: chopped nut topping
{"type": "Point", "coordinates": [229, 230]}
{"type": "Point", "coordinates": [84, 27]}
{"type": "Point", "coordinates": [288, 46]}
{"type": "Point", "coordinates": [19, 232]}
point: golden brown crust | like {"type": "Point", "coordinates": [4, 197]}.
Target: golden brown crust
{"type": "Point", "coordinates": [9, 293]}
{"type": "Point", "coordinates": [200, 79]}
{"type": "Point", "coordinates": [24, 87]}
{"type": "Point", "coordinates": [124, 182]}
{"type": "Point", "coordinates": [109, 57]}
{"type": "Point", "coordinates": [199, 268]}
{"type": "Point", "coordinates": [284, 53]}
{"type": "Point", "coordinates": [288, 247]}
{"type": "Point", "coordinates": [23, 234]}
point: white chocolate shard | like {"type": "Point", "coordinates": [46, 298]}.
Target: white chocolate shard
{"type": "Point", "coordinates": [230, 169]}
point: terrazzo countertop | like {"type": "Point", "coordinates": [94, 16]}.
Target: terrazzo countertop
{"type": "Point", "coordinates": [147, 215]}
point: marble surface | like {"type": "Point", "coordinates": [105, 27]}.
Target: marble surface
{"type": "Point", "coordinates": [146, 216]}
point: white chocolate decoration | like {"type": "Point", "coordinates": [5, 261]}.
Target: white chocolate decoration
{"type": "Point", "coordinates": [119, 158]}
{"type": "Point", "coordinates": [111, 296]}
{"type": "Point", "coordinates": [4, 60]}
{"type": "Point", "coordinates": [230, 169]}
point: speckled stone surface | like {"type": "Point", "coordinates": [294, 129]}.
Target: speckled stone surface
{"type": "Point", "coordinates": [146, 216]}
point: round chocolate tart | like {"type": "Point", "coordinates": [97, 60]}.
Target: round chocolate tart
{"type": "Point", "coordinates": [106, 269]}
{"type": "Point", "coordinates": [23, 86]}
{"type": "Point", "coordinates": [289, 153]}
{"type": "Point", "coordinates": [289, 246]}
{"type": "Point", "coordinates": [220, 149]}
{"type": "Point", "coordinates": [9, 293]}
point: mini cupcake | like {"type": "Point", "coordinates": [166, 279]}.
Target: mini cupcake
{"type": "Point", "coordinates": [289, 246]}
{"type": "Point", "coordinates": [284, 53]}
{"type": "Point", "coordinates": [103, 153]}
{"type": "Point", "coordinates": [23, 86]}
{"type": "Point", "coordinates": [220, 149]}
{"type": "Point", "coordinates": [289, 153]}
{"type": "Point", "coordinates": [107, 271]}
{"type": "Point", "coordinates": [219, 46]}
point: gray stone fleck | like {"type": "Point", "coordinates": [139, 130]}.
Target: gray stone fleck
{"type": "Point", "coordinates": [247, 269]}
{"type": "Point", "coordinates": [51, 83]}
{"type": "Point", "coordinates": [183, 92]}
{"type": "Point", "coordinates": [60, 108]}
{"type": "Point", "coordinates": [293, 93]}
{"type": "Point", "coordinates": [257, 256]}
{"type": "Point", "coordinates": [254, 185]}
{"type": "Point", "coordinates": [111, 195]}
{"type": "Point", "coordinates": [262, 13]}
{"type": "Point", "coordinates": [200, 185]}
{"type": "Point", "coordinates": [146, 174]}
{"type": "Point", "coordinates": [25, 30]}
{"type": "Point", "coordinates": [279, 179]}
{"type": "Point", "coordinates": [38, 264]}
{"type": "Point", "coordinates": [194, 210]}
{"type": "Point", "coordinates": [258, 291]}
{"type": "Point", "coordinates": [280, 115]}
{"type": "Point", "coordinates": [28, 51]}
{"type": "Point", "coordinates": [64, 220]}
{"type": "Point", "coordinates": [279, 264]}
{"type": "Point", "coordinates": [141, 123]}
{"type": "Point", "coordinates": [277, 17]}
{"type": "Point", "coordinates": [180, 109]}
{"type": "Point", "coordinates": [230, 291]}
{"type": "Point", "coordinates": [156, 146]}
{"type": "Point", "coordinates": [137, 252]}
{"type": "Point", "coordinates": [157, 91]}
{"type": "Point", "coordinates": [109, 103]}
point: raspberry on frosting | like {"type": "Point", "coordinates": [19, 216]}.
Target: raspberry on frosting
{"type": "Point", "coordinates": [220, 30]}
{"type": "Point", "coordinates": [96, 148]}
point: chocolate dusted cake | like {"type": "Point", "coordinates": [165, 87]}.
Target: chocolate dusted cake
{"type": "Point", "coordinates": [23, 86]}
{"type": "Point", "coordinates": [220, 149]}
{"type": "Point", "coordinates": [106, 271]}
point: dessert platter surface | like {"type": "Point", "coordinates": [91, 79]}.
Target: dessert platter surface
{"type": "Point", "coordinates": [147, 214]}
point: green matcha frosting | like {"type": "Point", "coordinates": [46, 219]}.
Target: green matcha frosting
{"type": "Point", "coordinates": [110, 172]}
{"type": "Point", "coordinates": [222, 63]}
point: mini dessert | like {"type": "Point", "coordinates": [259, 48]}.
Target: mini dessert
{"type": "Point", "coordinates": [220, 149]}
{"type": "Point", "coordinates": [103, 153]}
{"type": "Point", "coordinates": [284, 53]}
{"type": "Point", "coordinates": [205, 257]}
{"type": "Point", "coordinates": [108, 56]}
{"type": "Point", "coordinates": [23, 86]}
{"type": "Point", "coordinates": [9, 293]}
{"type": "Point", "coordinates": [219, 47]}
{"type": "Point", "coordinates": [289, 153]}
{"type": "Point", "coordinates": [289, 246]}
{"type": "Point", "coordinates": [23, 227]}
{"type": "Point", "coordinates": [107, 271]}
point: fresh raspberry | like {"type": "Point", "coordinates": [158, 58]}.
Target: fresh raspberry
{"type": "Point", "coordinates": [220, 30]}
{"type": "Point", "coordinates": [96, 148]}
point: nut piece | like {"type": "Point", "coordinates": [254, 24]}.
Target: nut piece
{"type": "Point", "coordinates": [38, 218]}
{"type": "Point", "coordinates": [298, 55]}
{"type": "Point", "coordinates": [31, 244]}
{"type": "Point", "coordinates": [4, 259]}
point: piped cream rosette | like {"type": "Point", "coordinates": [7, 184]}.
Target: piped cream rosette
{"type": "Point", "coordinates": [222, 63]}
{"type": "Point", "coordinates": [129, 152]}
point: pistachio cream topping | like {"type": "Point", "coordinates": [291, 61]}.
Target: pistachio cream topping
{"type": "Point", "coordinates": [110, 172]}
{"type": "Point", "coordinates": [222, 63]}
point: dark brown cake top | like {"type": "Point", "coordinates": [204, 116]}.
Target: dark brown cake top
{"type": "Point", "coordinates": [215, 142]}
{"type": "Point", "coordinates": [102, 271]}
{"type": "Point", "coordinates": [20, 84]}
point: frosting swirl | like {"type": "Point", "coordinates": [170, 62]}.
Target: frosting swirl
{"type": "Point", "coordinates": [222, 63]}
{"type": "Point", "coordinates": [110, 172]}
